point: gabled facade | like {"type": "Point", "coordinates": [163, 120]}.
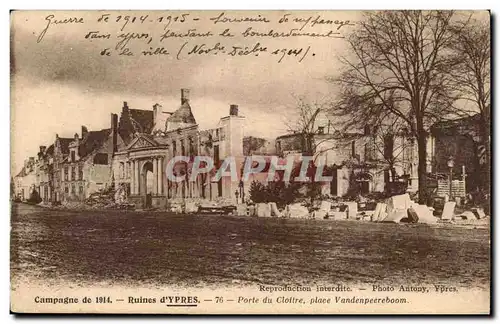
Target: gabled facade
{"type": "Point", "coordinates": [132, 155]}
{"type": "Point", "coordinates": [44, 181]}
{"type": "Point", "coordinates": [87, 167]}
{"type": "Point", "coordinates": [24, 181]}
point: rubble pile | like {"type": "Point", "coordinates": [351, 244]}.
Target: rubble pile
{"type": "Point", "coordinates": [263, 210]}
{"type": "Point", "coordinates": [395, 209]}
{"type": "Point", "coordinates": [179, 205]}
{"type": "Point", "coordinates": [108, 199]}
{"type": "Point", "coordinates": [323, 210]}
{"type": "Point", "coordinates": [401, 208]}
{"type": "Point", "coordinates": [296, 211]}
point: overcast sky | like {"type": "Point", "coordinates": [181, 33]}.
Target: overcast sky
{"type": "Point", "coordinates": [62, 82]}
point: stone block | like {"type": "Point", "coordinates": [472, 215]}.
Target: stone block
{"type": "Point", "coordinates": [398, 202]}
{"type": "Point", "coordinates": [191, 207]}
{"type": "Point", "coordinates": [296, 211]}
{"type": "Point", "coordinates": [352, 209]}
{"type": "Point", "coordinates": [379, 209]}
{"type": "Point", "coordinates": [263, 210]}
{"type": "Point", "coordinates": [395, 216]}
{"type": "Point", "coordinates": [424, 214]}
{"type": "Point", "coordinates": [468, 215]}
{"type": "Point", "coordinates": [479, 213]}
{"type": "Point", "coordinates": [274, 210]}
{"type": "Point", "coordinates": [337, 215]}
{"type": "Point", "coordinates": [448, 210]}
{"type": "Point", "coordinates": [241, 209]}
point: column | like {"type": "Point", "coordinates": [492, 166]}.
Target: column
{"type": "Point", "coordinates": [155, 176]}
{"type": "Point", "coordinates": [137, 178]}
{"type": "Point", "coordinates": [132, 177]}
{"type": "Point", "coordinates": [160, 176]}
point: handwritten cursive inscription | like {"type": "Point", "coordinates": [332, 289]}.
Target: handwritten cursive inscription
{"type": "Point", "coordinates": [222, 18]}
{"type": "Point", "coordinates": [52, 21]}
{"type": "Point", "coordinates": [291, 36]}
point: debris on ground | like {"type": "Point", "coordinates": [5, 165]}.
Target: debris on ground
{"type": "Point", "coordinates": [352, 209]}
{"type": "Point", "coordinates": [241, 210]}
{"type": "Point", "coordinates": [467, 215]}
{"type": "Point", "coordinates": [479, 213]}
{"type": "Point", "coordinates": [296, 211]}
{"type": "Point", "coordinates": [424, 214]}
{"type": "Point", "coordinates": [448, 210]}
{"type": "Point", "coordinates": [398, 202]}
{"type": "Point", "coordinates": [274, 210]}
{"type": "Point", "coordinates": [323, 210]}
{"type": "Point", "coordinates": [263, 210]}
{"type": "Point", "coordinates": [191, 207]}
{"type": "Point", "coordinates": [120, 195]}
{"type": "Point", "coordinates": [395, 216]}
{"type": "Point", "coordinates": [380, 212]}
{"type": "Point", "coordinates": [337, 215]}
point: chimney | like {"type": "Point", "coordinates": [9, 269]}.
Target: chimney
{"type": "Point", "coordinates": [157, 111]}
{"type": "Point", "coordinates": [114, 131]}
{"type": "Point", "coordinates": [85, 131]}
{"type": "Point", "coordinates": [233, 110]}
{"type": "Point", "coordinates": [41, 153]}
{"type": "Point", "coordinates": [125, 107]}
{"type": "Point", "coordinates": [184, 96]}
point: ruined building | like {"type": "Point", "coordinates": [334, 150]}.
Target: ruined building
{"type": "Point", "coordinates": [147, 140]}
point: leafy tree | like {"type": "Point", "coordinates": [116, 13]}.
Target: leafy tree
{"type": "Point", "coordinates": [258, 192]}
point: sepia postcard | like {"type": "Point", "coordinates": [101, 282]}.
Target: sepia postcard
{"type": "Point", "coordinates": [250, 162]}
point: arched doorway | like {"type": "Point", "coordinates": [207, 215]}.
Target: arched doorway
{"type": "Point", "coordinates": [146, 188]}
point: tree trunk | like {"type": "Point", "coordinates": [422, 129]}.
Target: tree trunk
{"type": "Point", "coordinates": [422, 167]}
{"type": "Point", "coordinates": [486, 172]}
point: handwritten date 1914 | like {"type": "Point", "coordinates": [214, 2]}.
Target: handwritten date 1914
{"type": "Point", "coordinates": [126, 19]}
{"type": "Point", "coordinates": [188, 50]}
{"type": "Point", "coordinates": [296, 52]}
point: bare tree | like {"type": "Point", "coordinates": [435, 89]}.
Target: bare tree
{"type": "Point", "coordinates": [472, 49]}
{"type": "Point", "coordinates": [306, 124]}
{"type": "Point", "coordinates": [398, 67]}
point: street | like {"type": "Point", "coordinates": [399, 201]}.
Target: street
{"type": "Point", "coordinates": [159, 249]}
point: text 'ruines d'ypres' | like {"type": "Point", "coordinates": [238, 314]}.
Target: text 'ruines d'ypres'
{"type": "Point", "coordinates": [184, 35]}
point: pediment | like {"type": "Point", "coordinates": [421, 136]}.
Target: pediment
{"type": "Point", "coordinates": [142, 142]}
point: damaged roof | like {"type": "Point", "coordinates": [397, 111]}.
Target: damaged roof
{"type": "Point", "coordinates": [21, 173]}
{"type": "Point", "coordinates": [142, 120]}
{"type": "Point", "coordinates": [134, 121]}
{"type": "Point", "coordinates": [182, 115]}
{"type": "Point", "coordinates": [92, 141]}
{"type": "Point", "coordinates": [50, 150]}
{"type": "Point", "coordinates": [64, 143]}
{"type": "Point", "coordinates": [252, 145]}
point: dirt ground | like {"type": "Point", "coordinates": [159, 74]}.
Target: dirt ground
{"type": "Point", "coordinates": [157, 248]}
